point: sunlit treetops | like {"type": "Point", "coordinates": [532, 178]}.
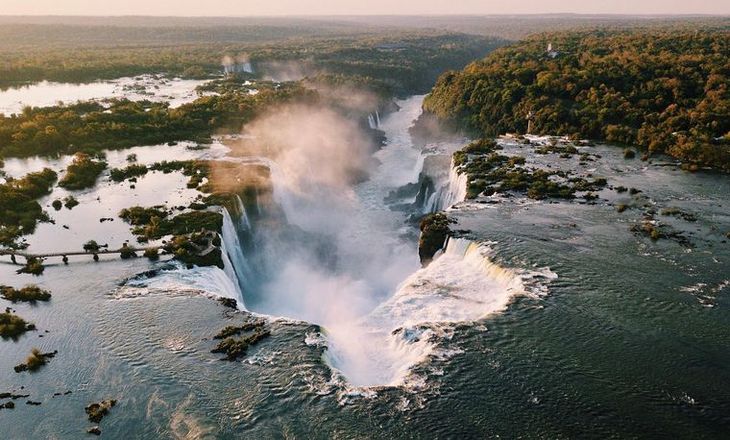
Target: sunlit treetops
{"type": "Point", "coordinates": [665, 91]}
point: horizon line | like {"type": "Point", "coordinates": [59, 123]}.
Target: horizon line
{"type": "Point", "coordinates": [523, 14]}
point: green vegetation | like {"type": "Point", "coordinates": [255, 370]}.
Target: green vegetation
{"type": "Point", "coordinates": [70, 202]}
{"type": "Point", "coordinates": [30, 293]}
{"type": "Point", "coordinates": [663, 90]}
{"type": "Point", "coordinates": [151, 254]}
{"type": "Point", "coordinates": [139, 216]}
{"type": "Point", "coordinates": [235, 348]}
{"type": "Point", "coordinates": [191, 222]}
{"type": "Point", "coordinates": [489, 172]}
{"type": "Point", "coordinates": [402, 63]}
{"type": "Point", "coordinates": [237, 330]}
{"type": "Point", "coordinates": [91, 246]}
{"type": "Point", "coordinates": [198, 248]}
{"type": "Point", "coordinates": [12, 325]}
{"type": "Point", "coordinates": [195, 238]}
{"type": "Point", "coordinates": [153, 223]}
{"type": "Point", "coordinates": [130, 172]}
{"type": "Point", "coordinates": [91, 126]}
{"type": "Point", "coordinates": [125, 253]}
{"type": "Point", "coordinates": [408, 61]}
{"type": "Point", "coordinates": [19, 210]}
{"type": "Point", "coordinates": [82, 172]}
{"type": "Point", "coordinates": [33, 266]}
{"type": "Point", "coordinates": [34, 361]}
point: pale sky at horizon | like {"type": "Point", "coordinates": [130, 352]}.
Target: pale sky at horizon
{"type": "Point", "coordinates": [356, 7]}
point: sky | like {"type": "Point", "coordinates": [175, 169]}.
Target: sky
{"type": "Point", "coordinates": [356, 7]}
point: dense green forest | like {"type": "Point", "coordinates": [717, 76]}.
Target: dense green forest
{"type": "Point", "coordinates": [384, 67]}
{"type": "Point", "coordinates": [92, 126]}
{"type": "Point", "coordinates": [663, 90]}
{"type": "Point", "coordinates": [410, 62]}
{"type": "Point", "coordinates": [28, 32]}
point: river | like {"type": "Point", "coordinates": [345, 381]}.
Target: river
{"type": "Point", "coordinates": [543, 320]}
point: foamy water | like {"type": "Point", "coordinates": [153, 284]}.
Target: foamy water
{"type": "Point", "coordinates": [379, 311]}
{"type": "Point", "coordinates": [460, 285]}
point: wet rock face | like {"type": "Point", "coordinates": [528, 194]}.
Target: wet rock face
{"type": "Point", "coordinates": [229, 302]}
{"type": "Point", "coordinates": [97, 411]}
{"type": "Point", "coordinates": [236, 340]}
{"type": "Point", "coordinates": [434, 230]}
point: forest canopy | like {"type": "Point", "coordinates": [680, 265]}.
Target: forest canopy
{"type": "Point", "coordinates": [409, 61]}
{"type": "Point", "coordinates": [663, 90]}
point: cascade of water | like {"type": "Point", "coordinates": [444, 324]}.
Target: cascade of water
{"type": "Point", "coordinates": [231, 275]}
{"type": "Point", "coordinates": [342, 256]}
{"type": "Point", "coordinates": [371, 122]}
{"type": "Point", "coordinates": [377, 119]}
{"type": "Point", "coordinates": [456, 188]}
{"type": "Point", "coordinates": [244, 222]}
{"type": "Point", "coordinates": [449, 192]}
{"type": "Point", "coordinates": [399, 331]}
{"type": "Point", "coordinates": [232, 250]}
{"type": "Point", "coordinates": [258, 202]}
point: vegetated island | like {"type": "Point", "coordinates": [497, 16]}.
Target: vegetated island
{"type": "Point", "coordinates": [665, 91]}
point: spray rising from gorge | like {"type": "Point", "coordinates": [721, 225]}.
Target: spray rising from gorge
{"type": "Point", "coordinates": [327, 249]}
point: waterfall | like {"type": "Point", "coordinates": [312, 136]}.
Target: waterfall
{"type": "Point", "coordinates": [456, 187]}
{"type": "Point", "coordinates": [230, 68]}
{"type": "Point", "coordinates": [377, 118]}
{"type": "Point", "coordinates": [450, 191]}
{"type": "Point", "coordinates": [235, 264]}
{"type": "Point", "coordinates": [258, 202]}
{"type": "Point", "coordinates": [462, 284]}
{"type": "Point", "coordinates": [372, 122]}
{"type": "Point", "coordinates": [244, 221]}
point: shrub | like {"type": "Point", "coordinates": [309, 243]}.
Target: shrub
{"type": "Point", "coordinates": [137, 215]}
{"type": "Point", "coordinates": [134, 170]}
{"type": "Point", "coordinates": [91, 246]}
{"type": "Point", "coordinates": [152, 254]}
{"type": "Point", "coordinates": [30, 293]}
{"type": "Point", "coordinates": [33, 266]}
{"type": "Point", "coordinates": [12, 325]}
{"type": "Point", "coordinates": [82, 173]}
{"type": "Point", "coordinates": [34, 361]}
{"type": "Point", "coordinates": [70, 202]}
